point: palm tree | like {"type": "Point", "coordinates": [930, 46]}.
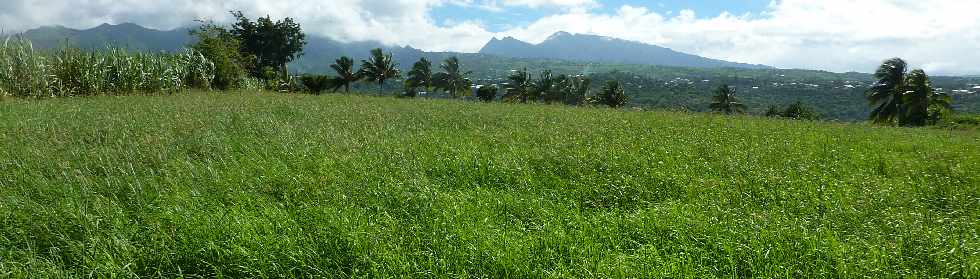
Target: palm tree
{"type": "Point", "coordinates": [916, 99]}
{"type": "Point", "coordinates": [346, 75]}
{"type": "Point", "coordinates": [939, 104]}
{"type": "Point", "coordinates": [421, 75]}
{"type": "Point", "coordinates": [519, 86]}
{"type": "Point", "coordinates": [905, 96]}
{"type": "Point", "coordinates": [886, 93]}
{"type": "Point", "coordinates": [379, 68]}
{"type": "Point", "coordinates": [545, 87]}
{"type": "Point", "coordinates": [451, 79]}
{"type": "Point", "coordinates": [613, 95]}
{"type": "Point", "coordinates": [725, 101]}
{"type": "Point", "coordinates": [576, 90]}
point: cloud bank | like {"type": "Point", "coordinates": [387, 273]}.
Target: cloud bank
{"type": "Point", "coordinates": [941, 36]}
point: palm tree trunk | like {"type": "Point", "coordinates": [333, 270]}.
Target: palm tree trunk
{"type": "Point", "coordinates": [381, 88]}
{"type": "Point", "coordinates": [347, 88]}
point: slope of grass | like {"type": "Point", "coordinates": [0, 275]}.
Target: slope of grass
{"type": "Point", "coordinates": [262, 185]}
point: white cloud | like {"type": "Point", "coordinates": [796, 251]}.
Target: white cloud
{"type": "Point", "coordinates": [942, 36]}
{"type": "Point", "coordinates": [839, 35]}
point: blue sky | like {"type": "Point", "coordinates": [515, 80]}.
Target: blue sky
{"type": "Point", "coordinates": [940, 36]}
{"type": "Point", "coordinates": [516, 16]}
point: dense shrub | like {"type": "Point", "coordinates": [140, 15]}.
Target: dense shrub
{"type": "Point", "coordinates": [218, 45]}
{"type": "Point", "coordinates": [487, 93]}
{"type": "Point", "coordinates": [315, 83]}
{"type": "Point", "coordinates": [26, 72]}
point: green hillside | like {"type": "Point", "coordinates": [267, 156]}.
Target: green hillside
{"type": "Point", "coordinates": [268, 185]}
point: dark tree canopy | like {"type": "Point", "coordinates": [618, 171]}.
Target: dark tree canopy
{"type": "Point", "coordinates": [487, 93]}
{"type": "Point", "coordinates": [726, 102]}
{"type": "Point", "coordinates": [519, 87]}
{"type": "Point", "coordinates": [886, 94]}
{"type": "Point", "coordinates": [613, 95]}
{"type": "Point", "coordinates": [379, 68]}
{"type": "Point", "coordinates": [273, 43]}
{"type": "Point", "coordinates": [420, 77]}
{"type": "Point", "coordinates": [905, 97]}
{"type": "Point", "coordinates": [346, 74]}
{"type": "Point", "coordinates": [452, 79]}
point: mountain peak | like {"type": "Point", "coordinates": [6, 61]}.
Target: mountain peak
{"type": "Point", "coordinates": [559, 35]}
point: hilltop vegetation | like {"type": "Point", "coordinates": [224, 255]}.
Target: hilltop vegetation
{"type": "Point", "coordinates": [840, 96]}
{"type": "Point", "coordinates": [273, 185]}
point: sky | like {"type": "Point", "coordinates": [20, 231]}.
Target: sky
{"type": "Point", "coordinates": [940, 36]}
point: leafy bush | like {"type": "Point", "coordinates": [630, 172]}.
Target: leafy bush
{"type": "Point", "coordinates": [801, 112]}
{"type": "Point", "coordinates": [487, 93]}
{"type": "Point", "coordinates": [218, 45]}
{"type": "Point", "coordinates": [315, 83]}
{"type": "Point", "coordinates": [612, 95]}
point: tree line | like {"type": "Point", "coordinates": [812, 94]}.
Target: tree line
{"type": "Point", "coordinates": [899, 97]}
{"type": "Point", "coordinates": [261, 49]}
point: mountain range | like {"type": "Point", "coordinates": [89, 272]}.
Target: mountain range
{"type": "Point", "coordinates": [320, 51]}
{"type": "Point", "coordinates": [592, 48]}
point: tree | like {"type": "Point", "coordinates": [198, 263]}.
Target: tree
{"type": "Point", "coordinates": [577, 90]}
{"type": "Point", "coordinates": [272, 44]}
{"type": "Point", "coordinates": [545, 88]}
{"type": "Point", "coordinates": [939, 106]}
{"type": "Point", "coordinates": [452, 79]}
{"type": "Point", "coordinates": [519, 86]}
{"type": "Point", "coordinates": [725, 101]}
{"type": "Point", "coordinates": [799, 111]}
{"type": "Point", "coordinates": [379, 68]}
{"type": "Point", "coordinates": [222, 48]}
{"type": "Point", "coordinates": [346, 75]}
{"type": "Point", "coordinates": [420, 76]}
{"type": "Point", "coordinates": [905, 97]}
{"type": "Point", "coordinates": [613, 95]}
{"type": "Point", "coordinates": [773, 111]}
{"type": "Point", "coordinates": [315, 83]}
{"type": "Point", "coordinates": [487, 93]}
{"type": "Point", "coordinates": [886, 94]}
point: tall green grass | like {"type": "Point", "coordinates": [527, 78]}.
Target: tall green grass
{"type": "Point", "coordinates": [267, 185]}
{"type": "Point", "coordinates": [26, 72]}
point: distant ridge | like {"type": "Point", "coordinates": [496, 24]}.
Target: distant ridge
{"type": "Point", "coordinates": [126, 35]}
{"type": "Point", "coordinates": [592, 48]}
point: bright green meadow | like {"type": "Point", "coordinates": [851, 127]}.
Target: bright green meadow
{"type": "Point", "coordinates": [248, 184]}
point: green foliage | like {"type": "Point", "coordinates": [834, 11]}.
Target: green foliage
{"type": "Point", "coordinates": [886, 94]}
{"type": "Point", "coordinates": [797, 111]}
{"type": "Point", "coordinates": [25, 72]}
{"type": "Point", "coordinates": [316, 84]}
{"type": "Point", "coordinates": [419, 78]}
{"type": "Point", "coordinates": [612, 95]}
{"type": "Point", "coordinates": [487, 93]}
{"type": "Point", "coordinates": [271, 43]}
{"type": "Point", "coordinates": [346, 75]}
{"type": "Point", "coordinates": [222, 48]}
{"type": "Point", "coordinates": [379, 68]}
{"type": "Point", "coordinates": [906, 98]}
{"type": "Point", "coordinates": [726, 102]}
{"type": "Point", "coordinates": [421, 75]}
{"type": "Point", "coordinates": [269, 185]}
{"type": "Point", "coordinates": [519, 87]}
{"type": "Point", "coordinates": [773, 111]}
{"type": "Point", "coordinates": [452, 79]}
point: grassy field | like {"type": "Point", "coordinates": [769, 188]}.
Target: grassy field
{"type": "Point", "coordinates": [263, 185]}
